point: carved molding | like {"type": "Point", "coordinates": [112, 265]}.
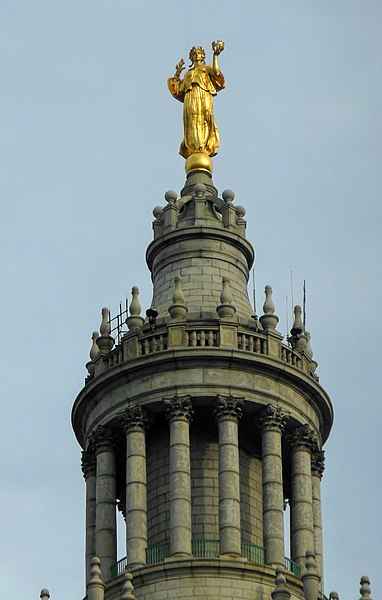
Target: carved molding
{"type": "Point", "coordinates": [178, 407]}
{"type": "Point", "coordinates": [135, 418]}
{"type": "Point", "coordinates": [88, 464]}
{"type": "Point", "coordinates": [229, 406]}
{"type": "Point", "coordinates": [318, 463]}
{"type": "Point", "coordinates": [273, 418]}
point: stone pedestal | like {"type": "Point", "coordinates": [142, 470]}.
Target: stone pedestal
{"type": "Point", "coordinates": [272, 425]}
{"type": "Point", "coordinates": [179, 413]}
{"type": "Point", "coordinates": [228, 412]}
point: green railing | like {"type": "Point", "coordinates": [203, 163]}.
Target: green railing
{"type": "Point", "coordinates": [204, 548]}
{"type": "Point", "coordinates": [157, 553]}
{"type": "Point", "coordinates": [292, 566]}
{"type": "Point", "coordinates": [253, 552]}
{"type": "Point", "coordinates": [119, 567]}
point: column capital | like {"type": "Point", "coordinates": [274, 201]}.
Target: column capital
{"type": "Point", "coordinates": [135, 419]}
{"type": "Point", "coordinates": [88, 463]}
{"type": "Point", "coordinates": [318, 462]}
{"type": "Point", "coordinates": [273, 418]}
{"type": "Point", "coordinates": [303, 438]}
{"type": "Point", "coordinates": [103, 438]}
{"type": "Point", "coordinates": [229, 406]}
{"type": "Point", "coordinates": [179, 408]}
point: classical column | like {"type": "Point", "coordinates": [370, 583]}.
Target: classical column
{"type": "Point", "coordinates": [179, 413]}
{"type": "Point", "coordinates": [228, 412]}
{"type": "Point", "coordinates": [104, 442]}
{"type": "Point", "coordinates": [302, 441]}
{"type": "Point", "coordinates": [317, 466]}
{"type": "Point", "coordinates": [88, 465]}
{"type": "Point", "coordinates": [135, 423]}
{"type": "Point", "coordinates": [273, 421]}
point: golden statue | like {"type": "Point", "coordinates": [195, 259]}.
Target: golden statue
{"type": "Point", "coordinates": [196, 90]}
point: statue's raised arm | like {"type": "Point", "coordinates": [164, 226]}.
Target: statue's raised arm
{"type": "Point", "coordinates": [196, 90]}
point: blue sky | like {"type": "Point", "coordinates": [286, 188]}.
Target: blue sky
{"type": "Point", "coordinates": [89, 145]}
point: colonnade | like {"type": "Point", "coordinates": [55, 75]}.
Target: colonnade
{"type": "Point", "coordinates": [99, 468]}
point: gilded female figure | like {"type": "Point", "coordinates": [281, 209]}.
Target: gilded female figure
{"type": "Point", "coordinates": [196, 90]}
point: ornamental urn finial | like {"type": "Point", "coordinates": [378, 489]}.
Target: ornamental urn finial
{"type": "Point", "coordinates": [135, 322]}
{"type": "Point", "coordinates": [269, 320]}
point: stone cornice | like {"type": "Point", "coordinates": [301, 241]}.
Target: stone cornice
{"type": "Point", "coordinates": [194, 359]}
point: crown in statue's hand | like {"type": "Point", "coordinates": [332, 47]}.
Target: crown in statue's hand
{"type": "Point", "coordinates": [218, 47]}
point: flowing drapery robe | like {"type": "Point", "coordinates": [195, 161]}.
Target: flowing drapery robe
{"type": "Point", "coordinates": [196, 91]}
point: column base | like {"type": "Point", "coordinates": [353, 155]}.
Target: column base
{"type": "Point", "coordinates": [231, 555]}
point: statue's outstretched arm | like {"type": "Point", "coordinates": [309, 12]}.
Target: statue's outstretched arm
{"type": "Point", "coordinates": [175, 82]}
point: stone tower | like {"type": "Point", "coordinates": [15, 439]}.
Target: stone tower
{"type": "Point", "coordinates": [201, 424]}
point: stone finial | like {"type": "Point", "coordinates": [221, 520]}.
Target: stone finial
{"type": "Point", "coordinates": [105, 328]}
{"type": "Point", "coordinates": [135, 322]}
{"type": "Point", "coordinates": [298, 326]}
{"type": "Point", "coordinates": [128, 588]}
{"type": "Point", "coordinates": [333, 596]}
{"type": "Point", "coordinates": [280, 592]}
{"type": "Point", "coordinates": [365, 590]}
{"type": "Point", "coordinates": [226, 309]}
{"type": "Point", "coordinates": [158, 212]}
{"type": "Point", "coordinates": [200, 190]}
{"type": "Point", "coordinates": [95, 587]}
{"type": "Point", "coordinates": [135, 307]}
{"type": "Point", "coordinates": [298, 337]}
{"type": "Point", "coordinates": [170, 197]}
{"type": "Point", "coordinates": [228, 196]}
{"type": "Point", "coordinates": [240, 221]}
{"type": "Point", "coordinates": [178, 309]}
{"type": "Point", "coordinates": [94, 350]}
{"type": "Point", "coordinates": [269, 320]}
{"type": "Point", "coordinates": [44, 594]}
{"type": "Point", "coordinates": [308, 347]}
{"type": "Point", "coordinates": [310, 579]}
{"type": "Point", "coordinates": [105, 341]}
